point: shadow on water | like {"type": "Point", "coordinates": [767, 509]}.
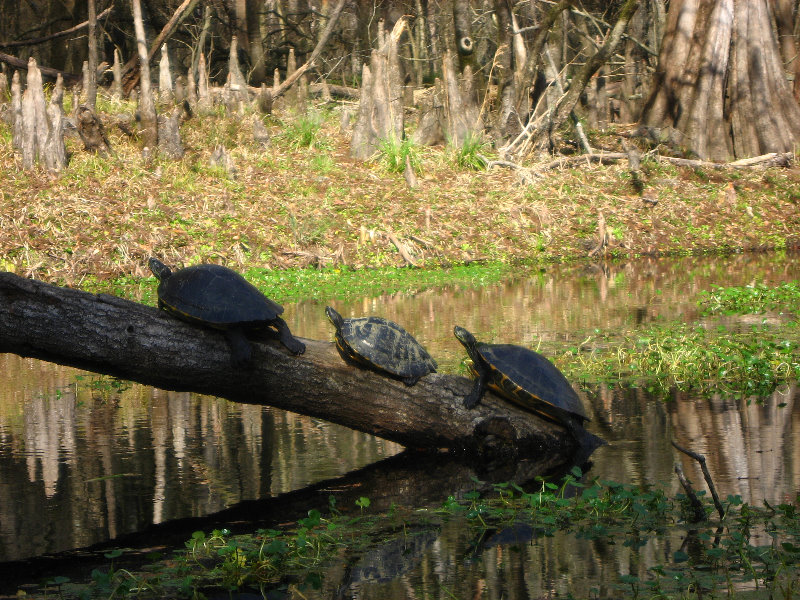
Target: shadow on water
{"type": "Point", "coordinates": [83, 462]}
{"type": "Point", "coordinates": [411, 479]}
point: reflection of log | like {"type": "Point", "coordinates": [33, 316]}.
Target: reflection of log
{"type": "Point", "coordinates": [110, 335]}
{"type": "Point", "coordinates": [407, 480]}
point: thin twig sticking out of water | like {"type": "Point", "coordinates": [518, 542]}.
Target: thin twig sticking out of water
{"type": "Point", "coordinates": [702, 460]}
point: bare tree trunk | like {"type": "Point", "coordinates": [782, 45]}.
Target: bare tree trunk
{"type": "Point", "coordinates": [720, 84]}
{"type": "Point", "coordinates": [117, 70]}
{"type": "Point", "coordinates": [462, 20]}
{"type": "Point", "coordinates": [255, 48]}
{"type": "Point", "coordinates": [380, 112]}
{"type": "Point", "coordinates": [784, 21]}
{"type": "Point", "coordinates": [91, 90]}
{"type": "Point", "coordinates": [147, 107]}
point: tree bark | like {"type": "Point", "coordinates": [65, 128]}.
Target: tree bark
{"type": "Point", "coordinates": [91, 88]}
{"type": "Point", "coordinates": [106, 334]}
{"type": "Point", "coordinates": [720, 82]}
{"type": "Point", "coordinates": [147, 107]}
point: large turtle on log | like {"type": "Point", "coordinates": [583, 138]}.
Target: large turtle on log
{"type": "Point", "coordinates": [218, 297]}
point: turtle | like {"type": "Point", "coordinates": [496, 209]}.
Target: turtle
{"type": "Point", "coordinates": [525, 378]}
{"type": "Point", "coordinates": [381, 345]}
{"type": "Point", "coordinates": [220, 298]}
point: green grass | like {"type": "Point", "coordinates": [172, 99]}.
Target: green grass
{"type": "Point", "coordinates": [689, 357]}
{"type": "Point", "coordinates": [393, 154]}
{"type": "Point", "coordinates": [751, 299]}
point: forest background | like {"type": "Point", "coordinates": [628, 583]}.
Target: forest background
{"type": "Point", "coordinates": [413, 133]}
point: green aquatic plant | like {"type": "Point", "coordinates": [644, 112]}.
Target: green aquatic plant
{"type": "Point", "coordinates": [682, 356]}
{"type": "Point", "coordinates": [751, 299]}
{"type": "Point", "coordinates": [751, 546]}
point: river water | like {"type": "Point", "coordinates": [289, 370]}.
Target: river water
{"type": "Point", "coordinates": [85, 459]}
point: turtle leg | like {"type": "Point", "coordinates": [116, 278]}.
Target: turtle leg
{"type": "Point", "coordinates": [475, 395]}
{"type": "Point", "coordinates": [294, 345]}
{"type": "Point", "coordinates": [241, 350]}
{"type": "Point", "coordinates": [411, 380]}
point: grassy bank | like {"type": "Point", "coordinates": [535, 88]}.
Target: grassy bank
{"type": "Point", "coordinates": [300, 201]}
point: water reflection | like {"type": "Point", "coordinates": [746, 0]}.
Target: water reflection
{"type": "Point", "coordinates": [81, 462]}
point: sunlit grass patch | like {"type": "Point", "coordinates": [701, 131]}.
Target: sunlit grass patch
{"type": "Point", "coordinates": [690, 357]}
{"type": "Point", "coordinates": [393, 154]}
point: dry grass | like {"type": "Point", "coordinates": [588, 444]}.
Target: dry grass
{"type": "Point", "coordinates": [291, 205]}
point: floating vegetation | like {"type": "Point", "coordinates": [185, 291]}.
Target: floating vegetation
{"type": "Point", "coordinates": [751, 299]}
{"type": "Point", "coordinates": [750, 547]}
{"type": "Point", "coordinates": [690, 357]}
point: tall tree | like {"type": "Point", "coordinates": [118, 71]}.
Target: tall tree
{"type": "Point", "coordinates": [720, 83]}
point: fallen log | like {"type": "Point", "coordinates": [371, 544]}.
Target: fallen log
{"type": "Point", "coordinates": [132, 341]}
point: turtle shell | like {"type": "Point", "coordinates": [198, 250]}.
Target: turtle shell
{"type": "Point", "coordinates": [530, 380]}
{"type": "Point", "coordinates": [215, 296]}
{"type": "Point", "coordinates": [382, 345]}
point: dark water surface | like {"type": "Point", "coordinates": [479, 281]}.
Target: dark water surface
{"type": "Point", "coordinates": [82, 461]}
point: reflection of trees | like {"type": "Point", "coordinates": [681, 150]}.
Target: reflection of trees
{"type": "Point", "coordinates": [79, 465]}
{"type": "Point", "coordinates": [751, 450]}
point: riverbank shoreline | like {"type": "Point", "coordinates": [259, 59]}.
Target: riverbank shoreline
{"type": "Point", "coordinates": [291, 205]}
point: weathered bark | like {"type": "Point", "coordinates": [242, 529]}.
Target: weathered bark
{"type": "Point", "coordinates": [37, 137]}
{"type": "Point", "coordinates": [16, 111]}
{"type": "Point", "coordinates": [91, 88]}
{"type": "Point", "coordinates": [92, 131]}
{"type": "Point", "coordinates": [720, 82]}
{"type": "Point", "coordinates": [169, 135]}
{"type": "Point", "coordinates": [380, 112]}
{"type": "Point", "coordinates": [166, 94]}
{"type": "Point", "coordinates": [116, 87]}
{"type": "Point", "coordinates": [147, 107]}
{"type": "Point", "coordinates": [238, 84]}
{"type": "Point", "coordinates": [461, 112]}
{"type": "Point", "coordinates": [203, 97]}
{"type": "Point", "coordinates": [133, 341]}
{"type": "Point", "coordinates": [462, 21]}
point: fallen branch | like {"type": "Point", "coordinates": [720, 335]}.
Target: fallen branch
{"type": "Point", "coordinates": [710, 482]}
{"type": "Point", "coordinates": [773, 159]}
{"type": "Point", "coordinates": [697, 506]}
{"type": "Point", "coordinates": [18, 63]}
{"type": "Point", "coordinates": [401, 249]}
{"type": "Point", "coordinates": [53, 36]}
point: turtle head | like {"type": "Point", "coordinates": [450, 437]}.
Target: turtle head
{"type": "Point", "coordinates": [334, 317]}
{"type": "Point", "coordinates": [159, 269]}
{"type": "Point", "coordinates": [466, 338]}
